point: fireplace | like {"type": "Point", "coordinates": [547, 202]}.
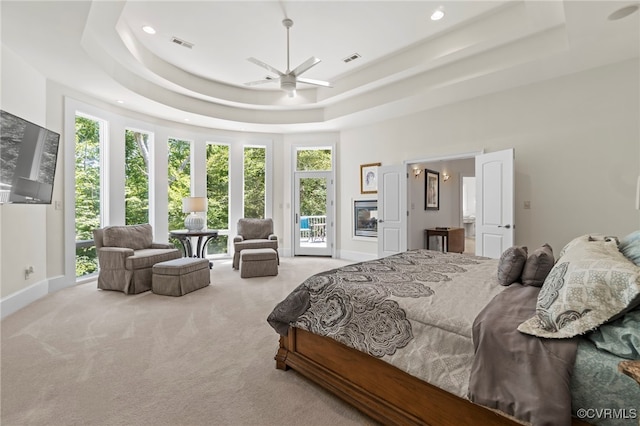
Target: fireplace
{"type": "Point", "coordinates": [365, 218]}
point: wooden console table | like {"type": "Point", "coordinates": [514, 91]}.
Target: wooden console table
{"type": "Point", "coordinates": [452, 238]}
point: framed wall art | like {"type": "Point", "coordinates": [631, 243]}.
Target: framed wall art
{"type": "Point", "coordinates": [431, 190]}
{"type": "Point", "coordinates": [369, 178]}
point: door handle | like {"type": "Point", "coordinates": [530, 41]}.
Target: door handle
{"type": "Point", "coordinates": [506, 226]}
{"type": "Point", "coordinates": [296, 217]}
{"type": "Point", "coordinates": [380, 220]}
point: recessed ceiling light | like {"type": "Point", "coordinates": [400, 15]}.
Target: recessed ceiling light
{"type": "Point", "coordinates": [437, 14]}
{"type": "Point", "coordinates": [624, 12]}
{"type": "Point", "coordinates": [186, 119]}
{"type": "Point", "coordinates": [120, 101]}
{"type": "Point", "coordinates": [149, 29]}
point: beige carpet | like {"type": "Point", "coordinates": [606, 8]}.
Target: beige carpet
{"type": "Point", "coordinates": [83, 356]}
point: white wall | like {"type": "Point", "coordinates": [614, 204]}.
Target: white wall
{"type": "Point", "coordinates": [577, 160]}
{"type": "Point", "coordinates": [23, 228]}
{"type": "Point", "coordinates": [576, 140]}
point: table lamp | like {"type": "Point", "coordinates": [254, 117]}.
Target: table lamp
{"type": "Point", "coordinates": [192, 206]}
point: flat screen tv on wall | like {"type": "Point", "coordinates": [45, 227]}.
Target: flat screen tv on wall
{"type": "Point", "coordinates": [28, 158]}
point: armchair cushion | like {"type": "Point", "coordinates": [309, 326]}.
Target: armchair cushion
{"type": "Point", "coordinates": [146, 258]}
{"type": "Point", "coordinates": [252, 229]}
{"type": "Point", "coordinates": [254, 244]}
{"type": "Point", "coordinates": [135, 237]}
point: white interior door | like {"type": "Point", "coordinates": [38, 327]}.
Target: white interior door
{"type": "Point", "coordinates": [392, 210]}
{"type": "Point", "coordinates": [495, 225]}
{"type": "Point", "coordinates": [313, 213]}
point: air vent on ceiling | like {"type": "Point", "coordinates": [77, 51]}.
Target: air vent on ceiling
{"type": "Point", "coordinates": [182, 43]}
{"type": "Point", "coordinates": [351, 58]}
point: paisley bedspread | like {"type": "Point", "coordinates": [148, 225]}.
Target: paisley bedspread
{"type": "Point", "coordinates": [414, 310]}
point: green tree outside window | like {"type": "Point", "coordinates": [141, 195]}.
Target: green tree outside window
{"type": "Point", "coordinates": [218, 195]}
{"type": "Point", "coordinates": [179, 175]}
{"type": "Point", "coordinates": [136, 186]}
{"type": "Point", "coordinates": [254, 182]}
{"type": "Point", "coordinates": [87, 191]}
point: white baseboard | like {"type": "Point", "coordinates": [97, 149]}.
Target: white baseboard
{"type": "Point", "coordinates": [18, 300]}
{"type": "Point", "coordinates": [60, 282]}
{"type": "Point", "coordinates": [284, 252]}
{"type": "Point", "coordinates": [356, 256]}
{"type": "Point", "coordinates": [22, 298]}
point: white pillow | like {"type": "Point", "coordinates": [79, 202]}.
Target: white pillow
{"type": "Point", "coordinates": [591, 284]}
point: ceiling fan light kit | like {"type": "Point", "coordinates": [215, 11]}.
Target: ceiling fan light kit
{"type": "Point", "coordinates": [290, 78]}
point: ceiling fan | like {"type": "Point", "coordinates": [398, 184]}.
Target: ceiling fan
{"type": "Point", "coordinates": [288, 79]}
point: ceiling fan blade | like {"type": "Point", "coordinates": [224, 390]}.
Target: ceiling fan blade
{"type": "Point", "coordinates": [305, 65]}
{"type": "Point", "coordinates": [314, 82]}
{"type": "Point", "coordinates": [266, 66]}
{"type": "Point", "coordinates": [258, 82]}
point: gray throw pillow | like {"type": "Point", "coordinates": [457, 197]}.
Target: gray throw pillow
{"type": "Point", "coordinates": [630, 247]}
{"type": "Point", "coordinates": [538, 266]}
{"type": "Point", "coordinates": [511, 263]}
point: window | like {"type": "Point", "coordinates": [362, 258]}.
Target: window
{"type": "Point", "coordinates": [87, 192]}
{"type": "Point", "coordinates": [136, 177]}
{"type": "Point", "coordinates": [179, 180]}
{"type": "Point", "coordinates": [218, 196]}
{"type": "Point", "coordinates": [254, 182]}
{"type": "Point", "coordinates": [313, 159]}
{"type": "Point", "coordinates": [104, 139]}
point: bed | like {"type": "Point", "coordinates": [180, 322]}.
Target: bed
{"type": "Point", "coordinates": [400, 338]}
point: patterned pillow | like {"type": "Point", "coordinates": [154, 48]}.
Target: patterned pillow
{"type": "Point", "coordinates": [538, 266]}
{"type": "Point", "coordinates": [511, 263]}
{"type": "Point", "coordinates": [591, 284]}
{"type": "Point", "coordinates": [582, 238]}
{"type": "Point", "coordinates": [630, 247]}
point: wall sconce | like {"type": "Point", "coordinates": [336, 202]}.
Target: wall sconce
{"type": "Point", "coordinates": [194, 205]}
{"type": "Point", "coordinates": [416, 173]}
{"type": "Point", "coordinates": [445, 177]}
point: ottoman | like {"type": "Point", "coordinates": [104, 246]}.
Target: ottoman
{"type": "Point", "coordinates": [260, 262]}
{"type": "Point", "coordinates": [178, 277]}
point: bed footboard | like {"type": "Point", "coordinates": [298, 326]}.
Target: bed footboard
{"type": "Point", "coordinates": [378, 389]}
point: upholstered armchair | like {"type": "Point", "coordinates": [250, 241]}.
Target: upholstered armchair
{"type": "Point", "coordinates": [126, 255]}
{"type": "Point", "coordinates": [253, 233]}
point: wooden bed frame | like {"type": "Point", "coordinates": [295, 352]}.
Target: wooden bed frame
{"type": "Point", "coordinates": [377, 388]}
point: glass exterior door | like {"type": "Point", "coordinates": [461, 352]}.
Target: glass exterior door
{"type": "Point", "coordinates": [313, 220]}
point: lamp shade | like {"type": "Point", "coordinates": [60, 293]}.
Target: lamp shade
{"type": "Point", "coordinates": [194, 204]}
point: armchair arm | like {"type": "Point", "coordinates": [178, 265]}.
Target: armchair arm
{"type": "Point", "coordinates": [238, 239]}
{"type": "Point", "coordinates": [113, 257]}
{"type": "Point", "coordinates": [162, 246]}
{"type": "Point", "coordinates": [272, 237]}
